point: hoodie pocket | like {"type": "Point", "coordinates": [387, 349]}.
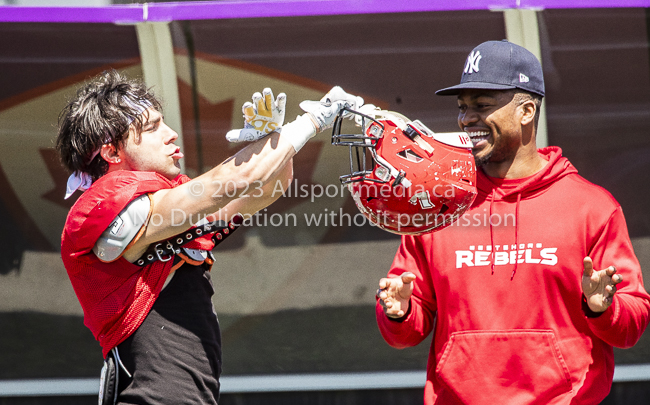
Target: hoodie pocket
{"type": "Point", "coordinates": [520, 366]}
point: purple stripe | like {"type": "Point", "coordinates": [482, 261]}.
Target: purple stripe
{"type": "Point", "coordinates": [111, 14]}
{"type": "Point", "coordinates": [584, 3]}
{"type": "Point", "coordinates": [289, 8]}
{"type": "Point", "coordinates": [278, 8]}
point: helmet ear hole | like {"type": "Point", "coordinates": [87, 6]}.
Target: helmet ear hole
{"type": "Point", "coordinates": [444, 208]}
{"type": "Point", "coordinates": [409, 155]}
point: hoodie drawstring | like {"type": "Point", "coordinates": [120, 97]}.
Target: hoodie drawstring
{"type": "Point", "coordinates": [491, 230]}
{"type": "Point", "coordinates": [516, 237]}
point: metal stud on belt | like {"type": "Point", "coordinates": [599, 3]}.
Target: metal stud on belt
{"type": "Point", "coordinates": [166, 249]}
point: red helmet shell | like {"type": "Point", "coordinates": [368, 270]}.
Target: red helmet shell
{"type": "Point", "coordinates": [438, 179]}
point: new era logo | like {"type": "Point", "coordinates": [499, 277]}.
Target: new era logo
{"type": "Point", "coordinates": [472, 62]}
{"type": "Point", "coordinates": [523, 78]}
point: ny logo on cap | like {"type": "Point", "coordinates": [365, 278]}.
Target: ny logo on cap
{"type": "Point", "coordinates": [472, 62]}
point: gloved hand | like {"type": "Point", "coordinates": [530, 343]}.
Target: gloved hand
{"type": "Point", "coordinates": [319, 116]}
{"type": "Point", "coordinates": [323, 115]}
{"type": "Point", "coordinates": [368, 109]}
{"type": "Point", "coordinates": [338, 94]}
{"type": "Point", "coordinates": [324, 112]}
{"type": "Point", "coordinates": [263, 116]}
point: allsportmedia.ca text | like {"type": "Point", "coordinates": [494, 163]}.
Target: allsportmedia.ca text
{"type": "Point", "coordinates": [312, 191]}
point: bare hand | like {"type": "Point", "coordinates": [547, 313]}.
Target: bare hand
{"type": "Point", "coordinates": [599, 286]}
{"type": "Point", "coordinates": [395, 294]}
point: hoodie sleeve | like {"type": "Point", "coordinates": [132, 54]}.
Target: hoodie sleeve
{"type": "Point", "coordinates": [417, 324]}
{"type": "Point", "coordinates": [623, 323]}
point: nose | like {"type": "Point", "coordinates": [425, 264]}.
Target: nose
{"type": "Point", "coordinates": [466, 118]}
{"type": "Point", "coordinates": [171, 135]}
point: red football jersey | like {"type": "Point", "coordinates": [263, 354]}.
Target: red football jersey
{"type": "Point", "coordinates": [115, 296]}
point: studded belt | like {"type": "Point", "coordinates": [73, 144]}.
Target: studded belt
{"type": "Point", "coordinates": [166, 250]}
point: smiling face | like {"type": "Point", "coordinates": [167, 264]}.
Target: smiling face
{"type": "Point", "coordinates": [492, 119]}
{"type": "Point", "coordinates": [152, 150]}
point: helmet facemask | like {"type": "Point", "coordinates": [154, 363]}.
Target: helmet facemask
{"type": "Point", "coordinates": [360, 145]}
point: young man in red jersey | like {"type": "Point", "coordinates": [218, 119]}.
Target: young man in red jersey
{"type": "Point", "coordinates": [528, 292]}
{"type": "Point", "coordinates": [142, 273]}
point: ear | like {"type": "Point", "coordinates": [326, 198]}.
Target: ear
{"type": "Point", "coordinates": [110, 154]}
{"type": "Point", "coordinates": [528, 110]}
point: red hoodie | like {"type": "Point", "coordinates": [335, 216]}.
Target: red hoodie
{"type": "Point", "coordinates": [505, 296]}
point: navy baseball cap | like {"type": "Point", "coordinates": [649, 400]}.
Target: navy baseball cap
{"type": "Point", "coordinates": [499, 65]}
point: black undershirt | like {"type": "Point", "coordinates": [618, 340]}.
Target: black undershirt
{"type": "Point", "coordinates": [175, 355]}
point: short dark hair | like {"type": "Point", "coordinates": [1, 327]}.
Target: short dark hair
{"type": "Point", "coordinates": [100, 113]}
{"type": "Point", "coordinates": [521, 96]}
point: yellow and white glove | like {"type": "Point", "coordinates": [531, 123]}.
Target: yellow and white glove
{"type": "Point", "coordinates": [319, 116]}
{"type": "Point", "coordinates": [263, 116]}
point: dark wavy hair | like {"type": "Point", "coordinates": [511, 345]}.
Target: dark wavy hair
{"type": "Point", "coordinates": [100, 113]}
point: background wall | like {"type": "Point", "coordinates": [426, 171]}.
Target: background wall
{"type": "Point", "coordinates": [294, 293]}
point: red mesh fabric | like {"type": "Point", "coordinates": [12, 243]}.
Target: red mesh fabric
{"type": "Point", "coordinates": [116, 296]}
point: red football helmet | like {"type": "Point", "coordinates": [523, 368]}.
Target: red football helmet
{"type": "Point", "coordinates": [417, 181]}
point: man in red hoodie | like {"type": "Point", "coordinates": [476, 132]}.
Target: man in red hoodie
{"type": "Point", "coordinates": [137, 243]}
{"type": "Point", "coordinates": [528, 292]}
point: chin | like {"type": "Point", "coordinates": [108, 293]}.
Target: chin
{"type": "Point", "coordinates": [482, 160]}
{"type": "Point", "coordinates": [171, 174]}
{"type": "Point", "coordinates": [485, 153]}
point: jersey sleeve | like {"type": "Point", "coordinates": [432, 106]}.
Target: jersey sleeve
{"type": "Point", "coordinates": [125, 230]}
{"type": "Point", "coordinates": [418, 323]}
{"type": "Point", "coordinates": [623, 323]}
{"type": "Point", "coordinates": [97, 208]}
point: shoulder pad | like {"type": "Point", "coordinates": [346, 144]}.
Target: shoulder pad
{"type": "Point", "coordinates": [126, 225]}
